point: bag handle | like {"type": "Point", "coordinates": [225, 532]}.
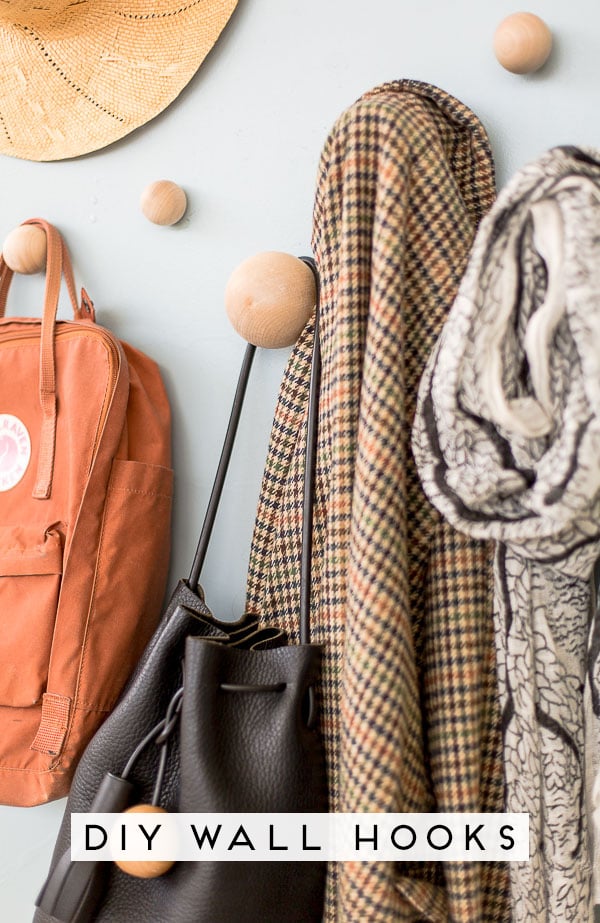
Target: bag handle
{"type": "Point", "coordinates": [57, 264]}
{"type": "Point", "coordinates": [309, 468]}
{"type": "Point", "coordinates": [52, 272]}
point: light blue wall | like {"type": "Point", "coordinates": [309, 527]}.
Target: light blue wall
{"type": "Point", "coordinates": [244, 140]}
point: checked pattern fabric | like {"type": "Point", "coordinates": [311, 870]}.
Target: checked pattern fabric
{"type": "Point", "coordinates": [401, 601]}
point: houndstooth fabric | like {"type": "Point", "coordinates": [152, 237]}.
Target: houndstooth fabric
{"type": "Point", "coordinates": [507, 440]}
{"type": "Point", "coordinates": [401, 602]}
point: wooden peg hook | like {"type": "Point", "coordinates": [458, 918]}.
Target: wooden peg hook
{"type": "Point", "coordinates": [25, 249]}
{"type": "Point", "coordinates": [269, 298]}
{"type": "Point", "coordinates": [522, 43]}
{"type": "Point", "coordinates": [163, 202]}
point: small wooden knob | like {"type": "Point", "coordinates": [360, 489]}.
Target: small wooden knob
{"type": "Point", "coordinates": [163, 202]}
{"type": "Point", "coordinates": [25, 249]}
{"type": "Point", "coordinates": [269, 298]}
{"type": "Point", "coordinates": [146, 868]}
{"type": "Point", "coordinates": [522, 43]}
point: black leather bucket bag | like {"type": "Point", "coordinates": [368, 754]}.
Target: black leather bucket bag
{"type": "Point", "coordinates": [218, 717]}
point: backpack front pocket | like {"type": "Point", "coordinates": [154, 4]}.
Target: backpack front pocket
{"type": "Point", "coordinates": [30, 574]}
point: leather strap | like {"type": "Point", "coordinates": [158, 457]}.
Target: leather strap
{"type": "Point", "coordinates": [309, 469]}
{"type": "Point", "coordinates": [57, 265]}
{"type": "Point", "coordinates": [217, 488]}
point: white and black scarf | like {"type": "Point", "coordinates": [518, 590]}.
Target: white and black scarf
{"type": "Point", "coordinates": [507, 442]}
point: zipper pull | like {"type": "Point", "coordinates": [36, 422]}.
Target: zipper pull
{"type": "Point", "coordinates": [86, 310]}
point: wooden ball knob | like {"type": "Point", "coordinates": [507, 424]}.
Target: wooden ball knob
{"type": "Point", "coordinates": [522, 43]}
{"type": "Point", "coordinates": [163, 202]}
{"type": "Point", "coordinates": [25, 249]}
{"type": "Point", "coordinates": [269, 298]}
{"type": "Point", "coordinates": [147, 868]}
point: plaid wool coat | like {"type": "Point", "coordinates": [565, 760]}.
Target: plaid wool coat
{"type": "Point", "coordinates": [401, 601]}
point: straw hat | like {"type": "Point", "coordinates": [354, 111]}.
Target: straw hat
{"type": "Point", "coordinates": [78, 74]}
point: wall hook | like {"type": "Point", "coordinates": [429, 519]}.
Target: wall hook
{"type": "Point", "coordinates": [163, 202]}
{"type": "Point", "coordinates": [25, 248]}
{"type": "Point", "coordinates": [522, 43]}
{"type": "Point", "coordinates": [269, 298]}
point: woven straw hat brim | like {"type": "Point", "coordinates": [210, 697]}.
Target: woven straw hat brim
{"type": "Point", "coordinates": [77, 76]}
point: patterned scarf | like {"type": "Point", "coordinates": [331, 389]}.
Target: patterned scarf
{"type": "Point", "coordinates": [507, 441]}
{"type": "Point", "coordinates": [402, 602]}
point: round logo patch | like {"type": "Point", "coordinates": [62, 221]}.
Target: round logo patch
{"type": "Point", "coordinates": [15, 450]}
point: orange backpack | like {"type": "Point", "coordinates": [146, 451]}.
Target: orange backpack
{"type": "Point", "coordinates": [85, 508]}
